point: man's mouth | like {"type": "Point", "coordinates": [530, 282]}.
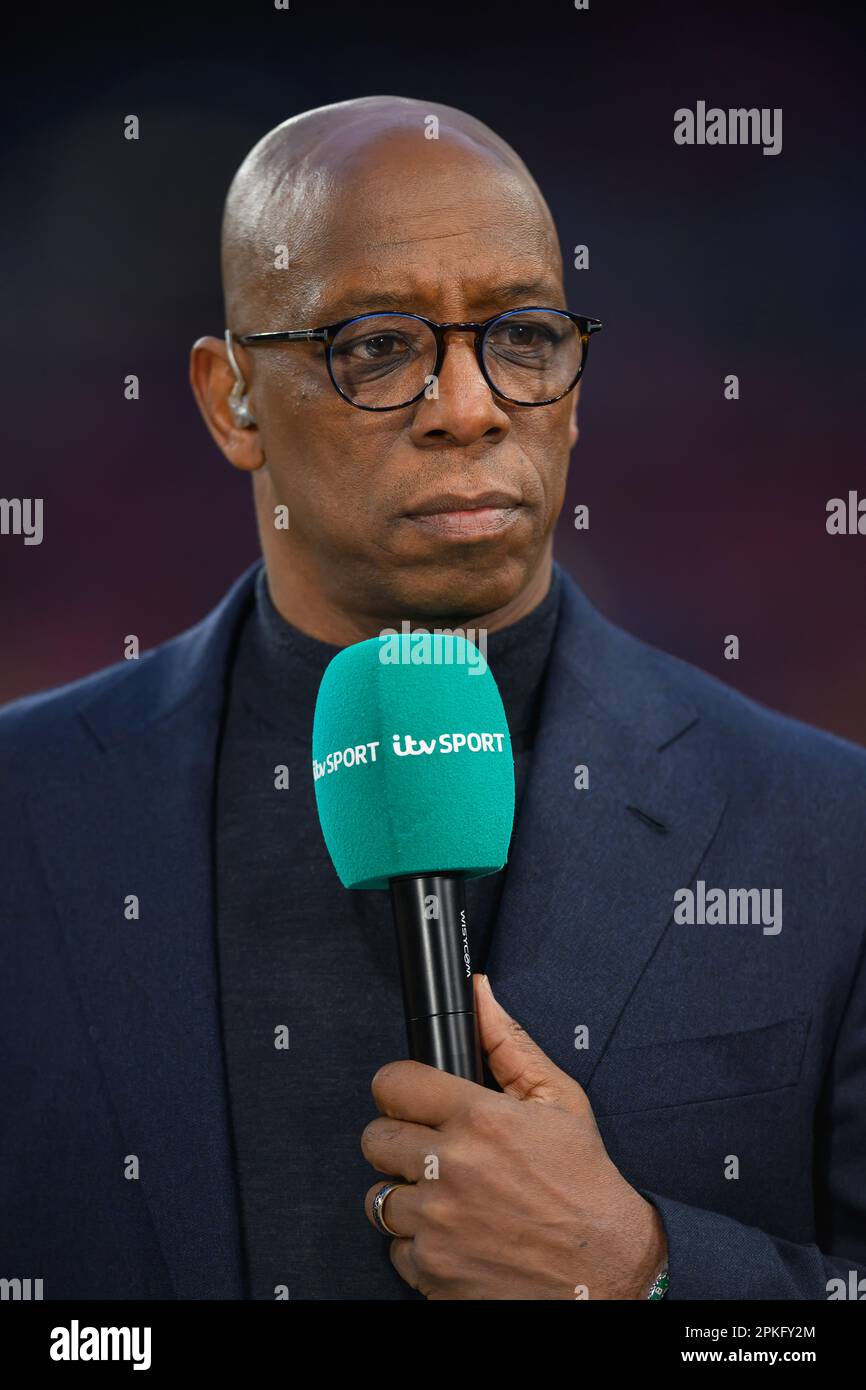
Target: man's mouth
{"type": "Point", "coordinates": [466, 517]}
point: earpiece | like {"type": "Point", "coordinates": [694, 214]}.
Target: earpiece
{"type": "Point", "coordinates": [239, 401]}
{"type": "Point", "coordinates": [240, 408]}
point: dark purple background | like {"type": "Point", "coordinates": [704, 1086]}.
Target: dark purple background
{"type": "Point", "coordinates": [707, 516]}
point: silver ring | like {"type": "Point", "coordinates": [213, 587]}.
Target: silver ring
{"type": "Point", "coordinates": [378, 1203]}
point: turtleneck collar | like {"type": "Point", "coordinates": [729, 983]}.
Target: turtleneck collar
{"type": "Point", "coordinates": [279, 668]}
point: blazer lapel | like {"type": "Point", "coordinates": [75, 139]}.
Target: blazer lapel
{"type": "Point", "coordinates": [590, 883]}
{"type": "Point", "coordinates": [130, 814]}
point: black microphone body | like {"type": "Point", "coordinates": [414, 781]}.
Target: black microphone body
{"type": "Point", "coordinates": [436, 973]}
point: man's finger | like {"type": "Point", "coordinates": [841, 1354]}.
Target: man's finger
{"type": "Point", "coordinates": [413, 1091]}
{"type": "Point", "coordinates": [402, 1210]}
{"type": "Point", "coordinates": [398, 1146]}
{"type": "Point", "coordinates": [402, 1254]}
{"type": "Point", "coordinates": [519, 1065]}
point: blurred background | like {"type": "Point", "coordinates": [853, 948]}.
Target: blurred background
{"type": "Point", "coordinates": [707, 516]}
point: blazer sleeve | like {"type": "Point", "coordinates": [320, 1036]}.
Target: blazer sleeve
{"type": "Point", "coordinates": [714, 1256]}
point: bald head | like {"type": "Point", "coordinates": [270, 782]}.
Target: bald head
{"type": "Point", "coordinates": [302, 180]}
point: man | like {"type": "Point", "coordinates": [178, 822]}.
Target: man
{"type": "Point", "coordinates": [674, 1008]}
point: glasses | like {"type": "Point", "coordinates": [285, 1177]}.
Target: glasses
{"type": "Point", "coordinates": [530, 356]}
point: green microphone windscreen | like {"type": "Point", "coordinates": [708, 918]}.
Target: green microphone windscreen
{"type": "Point", "coordinates": [412, 762]}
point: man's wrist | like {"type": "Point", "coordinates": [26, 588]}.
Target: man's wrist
{"type": "Point", "coordinates": [648, 1235]}
{"type": "Point", "coordinates": [659, 1282]}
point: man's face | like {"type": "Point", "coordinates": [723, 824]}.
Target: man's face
{"type": "Point", "coordinates": [431, 228]}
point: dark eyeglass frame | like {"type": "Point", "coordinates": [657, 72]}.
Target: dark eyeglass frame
{"type": "Point", "coordinates": [328, 332]}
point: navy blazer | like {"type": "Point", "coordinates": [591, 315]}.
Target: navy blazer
{"type": "Point", "coordinates": [726, 1064]}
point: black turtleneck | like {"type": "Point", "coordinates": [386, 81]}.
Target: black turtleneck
{"type": "Point", "coordinates": [301, 954]}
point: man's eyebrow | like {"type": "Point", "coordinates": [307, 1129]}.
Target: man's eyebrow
{"type": "Point", "coordinates": [521, 291]}
{"type": "Point", "coordinates": [515, 293]}
{"type": "Point", "coordinates": [371, 300]}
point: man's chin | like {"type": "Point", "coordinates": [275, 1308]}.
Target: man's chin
{"type": "Point", "coordinates": [463, 581]}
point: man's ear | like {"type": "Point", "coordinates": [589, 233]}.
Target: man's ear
{"type": "Point", "coordinates": [212, 378]}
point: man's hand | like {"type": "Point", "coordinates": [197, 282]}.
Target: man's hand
{"type": "Point", "coordinates": [526, 1203]}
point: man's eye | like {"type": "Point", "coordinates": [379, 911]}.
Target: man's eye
{"type": "Point", "coordinates": [381, 346]}
{"type": "Point", "coordinates": [527, 335]}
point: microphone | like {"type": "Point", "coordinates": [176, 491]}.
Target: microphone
{"type": "Point", "coordinates": [414, 779]}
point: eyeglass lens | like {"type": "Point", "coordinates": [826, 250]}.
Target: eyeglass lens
{"type": "Point", "coordinates": [388, 359]}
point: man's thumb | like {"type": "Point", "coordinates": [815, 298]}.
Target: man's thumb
{"type": "Point", "coordinates": [516, 1062]}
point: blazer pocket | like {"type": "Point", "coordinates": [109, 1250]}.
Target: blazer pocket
{"type": "Point", "coordinates": [685, 1070]}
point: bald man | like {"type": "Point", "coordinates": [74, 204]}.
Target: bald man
{"type": "Point", "coordinates": [670, 982]}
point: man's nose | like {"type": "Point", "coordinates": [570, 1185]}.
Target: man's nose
{"type": "Point", "coordinates": [461, 408]}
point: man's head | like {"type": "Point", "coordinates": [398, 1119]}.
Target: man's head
{"type": "Point", "coordinates": [373, 214]}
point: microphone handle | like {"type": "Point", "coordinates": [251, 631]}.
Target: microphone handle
{"type": "Point", "coordinates": [435, 969]}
